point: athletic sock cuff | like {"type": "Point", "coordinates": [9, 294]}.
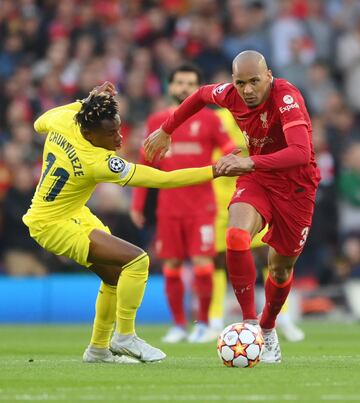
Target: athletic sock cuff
{"type": "Point", "coordinates": [281, 285]}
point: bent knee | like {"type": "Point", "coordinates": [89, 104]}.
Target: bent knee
{"type": "Point", "coordinates": [280, 274]}
{"type": "Point", "coordinates": [139, 265]}
{"type": "Point", "coordinates": [237, 239]}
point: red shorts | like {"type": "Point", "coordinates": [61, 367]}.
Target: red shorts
{"type": "Point", "coordinates": [288, 216]}
{"type": "Point", "coordinates": [185, 237]}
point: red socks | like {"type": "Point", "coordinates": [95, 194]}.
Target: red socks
{"type": "Point", "coordinates": [242, 270]}
{"type": "Point", "coordinates": [275, 297]}
{"type": "Point", "coordinates": [203, 288]}
{"type": "Point", "coordinates": [174, 289]}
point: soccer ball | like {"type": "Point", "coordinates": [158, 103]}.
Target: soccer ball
{"type": "Point", "coordinates": [240, 345]}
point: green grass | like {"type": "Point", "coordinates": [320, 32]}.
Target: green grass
{"type": "Point", "coordinates": [325, 367]}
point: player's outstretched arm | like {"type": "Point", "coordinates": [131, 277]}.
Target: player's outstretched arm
{"type": "Point", "coordinates": [159, 141]}
{"type": "Point", "coordinates": [145, 176]}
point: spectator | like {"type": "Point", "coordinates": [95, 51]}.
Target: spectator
{"type": "Point", "coordinates": [21, 253]}
{"type": "Point", "coordinates": [349, 188]}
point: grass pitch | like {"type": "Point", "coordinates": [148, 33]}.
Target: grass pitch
{"type": "Point", "coordinates": [44, 363]}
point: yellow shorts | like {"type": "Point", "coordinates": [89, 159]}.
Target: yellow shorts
{"type": "Point", "coordinates": [221, 222]}
{"type": "Point", "coordinates": [69, 237]}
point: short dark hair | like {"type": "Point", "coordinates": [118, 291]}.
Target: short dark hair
{"type": "Point", "coordinates": [95, 109]}
{"type": "Point", "coordinates": [186, 68]}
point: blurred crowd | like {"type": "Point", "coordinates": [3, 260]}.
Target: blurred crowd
{"type": "Point", "coordinates": [52, 52]}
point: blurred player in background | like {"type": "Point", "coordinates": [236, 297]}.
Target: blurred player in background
{"type": "Point", "coordinates": [79, 152]}
{"type": "Point", "coordinates": [185, 216]}
{"type": "Point", "coordinates": [223, 188]}
{"type": "Point", "coordinates": [276, 185]}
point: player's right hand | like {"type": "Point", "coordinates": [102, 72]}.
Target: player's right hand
{"type": "Point", "coordinates": [107, 86]}
{"type": "Point", "coordinates": [158, 142]}
{"type": "Point", "coordinates": [137, 218]}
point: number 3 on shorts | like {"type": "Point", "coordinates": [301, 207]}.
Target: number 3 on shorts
{"type": "Point", "coordinates": [304, 233]}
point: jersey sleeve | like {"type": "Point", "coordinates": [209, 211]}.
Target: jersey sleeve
{"type": "Point", "coordinates": [220, 94]}
{"type": "Point", "coordinates": [44, 122]}
{"type": "Point", "coordinates": [108, 167]}
{"type": "Point", "coordinates": [149, 177]}
{"type": "Point", "coordinates": [290, 104]}
{"type": "Point", "coordinates": [192, 104]}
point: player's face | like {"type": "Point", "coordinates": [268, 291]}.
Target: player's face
{"type": "Point", "coordinates": [183, 85]}
{"type": "Point", "coordinates": [108, 136]}
{"type": "Point", "coordinates": [252, 84]}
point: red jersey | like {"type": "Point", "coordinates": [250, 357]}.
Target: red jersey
{"type": "Point", "coordinates": [264, 128]}
{"type": "Point", "coordinates": [192, 145]}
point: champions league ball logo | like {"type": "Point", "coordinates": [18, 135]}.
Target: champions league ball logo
{"type": "Point", "coordinates": [116, 164]}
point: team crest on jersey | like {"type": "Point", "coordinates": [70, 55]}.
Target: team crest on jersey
{"type": "Point", "coordinates": [116, 164]}
{"type": "Point", "coordinates": [263, 118]}
{"type": "Point", "coordinates": [288, 99]}
{"type": "Point", "coordinates": [221, 88]}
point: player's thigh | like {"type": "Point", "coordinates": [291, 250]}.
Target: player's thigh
{"type": "Point", "coordinates": [107, 249]}
{"type": "Point", "coordinates": [200, 236]}
{"type": "Point", "coordinates": [169, 238]}
{"type": "Point", "coordinates": [250, 208]}
{"type": "Point", "coordinates": [246, 217]}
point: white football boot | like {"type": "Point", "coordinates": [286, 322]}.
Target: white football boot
{"type": "Point", "coordinates": [133, 346]}
{"type": "Point", "coordinates": [104, 355]}
{"type": "Point", "coordinates": [202, 333]}
{"type": "Point", "coordinates": [175, 334]}
{"type": "Point", "coordinates": [271, 353]}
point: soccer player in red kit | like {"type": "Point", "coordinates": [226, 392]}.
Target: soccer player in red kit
{"type": "Point", "coordinates": [276, 185]}
{"type": "Point", "coordinates": [185, 216]}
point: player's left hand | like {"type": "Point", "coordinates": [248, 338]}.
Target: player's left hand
{"type": "Point", "coordinates": [157, 143]}
{"type": "Point", "coordinates": [233, 165]}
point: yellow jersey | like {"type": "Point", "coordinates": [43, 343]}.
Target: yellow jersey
{"type": "Point", "coordinates": [72, 167]}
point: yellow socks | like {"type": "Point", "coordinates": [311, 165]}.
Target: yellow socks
{"type": "Point", "coordinates": [105, 316]}
{"type": "Point", "coordinates": [130, 292]}
{"type": "Point", "coordinates": [216, 310]}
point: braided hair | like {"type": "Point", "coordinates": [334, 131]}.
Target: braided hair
{"type": "Point", "coordinates": [94, 109]}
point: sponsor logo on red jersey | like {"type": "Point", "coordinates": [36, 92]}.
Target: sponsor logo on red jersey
{"type": "Point", "coordinates": [288, 108]}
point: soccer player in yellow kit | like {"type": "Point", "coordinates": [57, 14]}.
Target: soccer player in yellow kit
{"type": "Point", "coordinates": [79, 152]}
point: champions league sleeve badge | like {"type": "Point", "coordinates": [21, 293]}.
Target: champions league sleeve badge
{"type": "Point", "coordinates": [116, 164]}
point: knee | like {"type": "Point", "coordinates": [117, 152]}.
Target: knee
{"type": "Point", "coordinates": [280, 274]}
{"type": "Point", "coordinates": [237, 239]}
{"type": "Point", "coordinates": [139, 265]}
{"type": "Point", "coordinates": [173, 264]}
